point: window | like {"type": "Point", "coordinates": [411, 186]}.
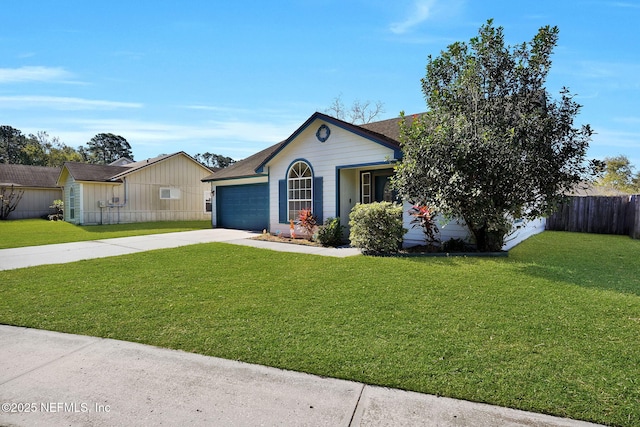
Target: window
{"type": "Point", "coordinates": [72, 203]}
{"type": "Point", "coordinates": [207, 201]}
{"type": "Point", "coordinates": [167, 193]}
{"type": "Point", "coordinates": [299, 189]}
{"type": "Point", "coordinates": [366, 187]}
{"type": "Point", "coordinates": [375, 186]}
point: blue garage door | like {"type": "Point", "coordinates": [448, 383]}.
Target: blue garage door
{"type": "Point", "coordinates": [243, 207]}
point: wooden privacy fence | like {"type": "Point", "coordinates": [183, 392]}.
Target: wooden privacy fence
{"type": "Point", "coordinates": [598, 214]}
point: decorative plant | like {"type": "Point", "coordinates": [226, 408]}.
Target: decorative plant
{"type": "Point", "coordinates": [308, 221]}
{"type": "Point", "coordinates": [376, 228]}
{"type": "Point", "coordinates": [58, 209]}
{"type": "Point", "coordinates": [424, 218]}
{"type": "Point", "coordinates": [331, 233]}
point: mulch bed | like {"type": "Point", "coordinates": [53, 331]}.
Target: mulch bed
{"type": "Point", "coordinates": [271, 238]}
{"type": "Point", "coordinates": [414, 251]}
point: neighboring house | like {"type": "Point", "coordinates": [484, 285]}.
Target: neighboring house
{"type": "Point", "coordinates": [164, 188]}
{"type": "Point", "coordinates": [327, 165]}
{"type": "Point", "coordinates": [39, 185]}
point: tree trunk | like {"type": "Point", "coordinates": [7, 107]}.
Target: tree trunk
{"type": "Point", "coordinates": [488, 241]}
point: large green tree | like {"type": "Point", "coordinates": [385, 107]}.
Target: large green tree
{"type": "Point", "coordinates": [493, 145]}
{"type": "Point", "coordinates": [212, 160]}
{"type": "Point", "coordinates": [105, 148]}
{"type": "Point", "coordinates": [618, 175]}
{"type": "Point", "coordinates": [12, 145]}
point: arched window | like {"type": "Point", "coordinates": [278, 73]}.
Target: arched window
{"type": "Point", "coordinates": [300, 189]}
{"type": "Point", "coordinates": [72, 203]}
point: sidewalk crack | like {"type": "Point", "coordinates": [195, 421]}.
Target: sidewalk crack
{"type": "Point", "coordinates": [355, 409]}
{"type": "Point", "coordinates": [49, 362]}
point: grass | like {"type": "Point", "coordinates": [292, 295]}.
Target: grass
{"type": "Point", "coordinates": [553, 328]}
{"type": "Point", "coordinates": [33, 232]}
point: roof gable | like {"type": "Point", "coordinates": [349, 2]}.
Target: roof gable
{"type": "Point", "coordinates": [136, 166]}
{"type": "Point", "coordinates": [367, 133]}
{"type": "Point", "coordinates": [110, 173]}
{"type": "Point", "coordinates": [385, 132]}
{"type": "Point", "coordinates": [29, 176]}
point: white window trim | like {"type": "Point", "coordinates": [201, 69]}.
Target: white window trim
{"type": "Point", "coordinates": [173, 193]}
{"type": "Point", "coordinates": [304, 203]}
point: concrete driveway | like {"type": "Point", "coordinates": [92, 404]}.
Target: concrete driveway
{"type": "Point", "coordinates": [68, 252]}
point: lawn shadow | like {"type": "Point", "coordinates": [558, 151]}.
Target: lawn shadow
{"type": "Point", "coordinates": [615, 278]}
{"type": "Point", "coordinates": [606, 262]}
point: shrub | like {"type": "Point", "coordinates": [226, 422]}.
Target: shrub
{"type": "Point", "coordinates": [58, 210]}
{"type": "Point", "coordinates": [376, 227]}
{"type": "Point", "coordinates": [331, 233]}
{"type": "Point", "coordinates": [454, 245]}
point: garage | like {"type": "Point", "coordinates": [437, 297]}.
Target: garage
{"type": "Point", "coordinates": [243, 207]}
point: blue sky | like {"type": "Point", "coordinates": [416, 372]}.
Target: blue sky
{"type": "Point", "coordinates": [234, 77]}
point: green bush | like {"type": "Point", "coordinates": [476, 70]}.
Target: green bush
{"type": "Point", "coordinates": [454, 245]}
{"type": "Point", "coordinates": [377, 227]}
{"type": "Point", "coordinates": [331, 233]}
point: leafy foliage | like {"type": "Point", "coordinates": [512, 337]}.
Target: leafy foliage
{"type": "Point", "coordinates": [376, 227]}
{"type": "Point", "coordinates": [331, 233]}
{"type": "Point", "coordinates": [12, 144]}
{"type": "Point", "coordinates": [58, 210]}
{"type": "Point", "coordinates": [493, 145]}
{"type": "Point", "coordinates": [424, 218]}
{"type": "Point", "coordinates": [308, 221]}
{"type": "Point", "coordinates": [105, 148]}
{"type": "Point", "coordinates": [211, 160]}
{"type": "Point", "coordinates": [618, 175]}
{"type": "Point", "coordinates": [37, 150]}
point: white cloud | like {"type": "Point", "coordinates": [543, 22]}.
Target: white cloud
{"type": "Point", "coordinates": [626, 5]}
{"type": "Point", "coordinates": [34, 74]}
{"type": "Point", "coordinates": [237, 139]}
{"type": "Point", "coordinates": [422, 11]}
{"type": "Point", "coordinates": [61, 103]}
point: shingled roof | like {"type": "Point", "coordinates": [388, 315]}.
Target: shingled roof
{"type": "Point", "coordinates": [92, 172]}
{"type": "Point", "coordinates": [28, 176]}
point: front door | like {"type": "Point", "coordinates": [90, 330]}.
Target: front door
{"type": "Point", "coordinates": [382, 187]}
{"type": "Point", "coordinates": [376, 186]}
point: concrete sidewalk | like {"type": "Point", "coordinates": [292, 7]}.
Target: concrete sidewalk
{"type": "Point", "coordinates": [68, 252]}
{"type": "Point", "coordinates": [52, 379]}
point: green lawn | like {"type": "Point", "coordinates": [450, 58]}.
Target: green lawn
{"type": "Point", "coordinates": [31, 232]}
{"type": "Point", "coordinates": [553, 328]}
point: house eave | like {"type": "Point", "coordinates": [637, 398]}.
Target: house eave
{"type": "Point", "coordinates": [232, 178]}
{"type": "Point", "coordinates": [397, 152]}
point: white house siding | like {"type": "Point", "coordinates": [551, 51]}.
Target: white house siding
{"type": "Point", "coordinates": [448, 229]}
{"type": "Point", "coordinates": [523, 231]}
{"type": "Point", "coordinates": [343, 148]}
{"type": "Point", "coordinates": [223, 183]}
{"type": "Point", "coordinates": [35, 202]}
{"type": "Point", "coordinates": [455, 229]}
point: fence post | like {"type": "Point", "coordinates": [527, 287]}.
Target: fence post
{"type": "Point", "coordinates": [635, 226]}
